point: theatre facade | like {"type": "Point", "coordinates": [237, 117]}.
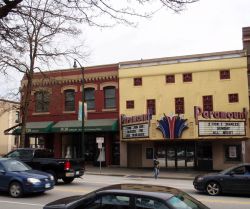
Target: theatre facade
{"type": "Point", "coordinates": [190, 111]}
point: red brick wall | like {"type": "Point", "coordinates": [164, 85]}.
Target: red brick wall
{"type": "Point", "coordinates": [56, 107]}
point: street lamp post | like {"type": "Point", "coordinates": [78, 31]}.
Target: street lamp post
{"type": "Point", "coordinates": [83, 140]}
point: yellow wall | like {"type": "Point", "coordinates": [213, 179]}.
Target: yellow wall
{"type": "Point", "coordinates": [7, 120]}
{"type": "Point", "coordinates": [206, 81]}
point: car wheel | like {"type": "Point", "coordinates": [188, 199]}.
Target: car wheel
{"type": "Point", "coordinates": [213, 188]}
{"type": "Point", "coordinates": [15, 189]}
{"type": "Point", "coordinates": [68, 180]}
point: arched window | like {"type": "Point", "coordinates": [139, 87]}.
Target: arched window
{"type": "Point", "coordinates": [42, 101]}
{"type": "Point", "coordinates": [69, 100]}
{"type": "Point", "coordinates": [89, 95]}
{"type": "Point", "coordinates": [109, 97]}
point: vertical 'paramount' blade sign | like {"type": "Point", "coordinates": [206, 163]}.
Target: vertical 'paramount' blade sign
{"type": "Point", "coordinates": [80, 111]}
{"type": "Point", "coordinates": [172, 126]}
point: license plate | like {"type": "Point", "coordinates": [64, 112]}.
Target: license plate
{"type": "Point", "coordinates": [47, 185]}
{"type": "Point", "coordinates": [77, 172]}
{"type": "Point", "coordinates": [69, 174]}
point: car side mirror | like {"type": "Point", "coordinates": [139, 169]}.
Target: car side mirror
{"type": "Point", "coordinates": [232, 173]}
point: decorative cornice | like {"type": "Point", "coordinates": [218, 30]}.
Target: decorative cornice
{"type": "Point", "coordinates": [74, 79]}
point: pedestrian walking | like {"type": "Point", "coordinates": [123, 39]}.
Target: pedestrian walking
{"type": "Point", "coordinates": [156, 167]}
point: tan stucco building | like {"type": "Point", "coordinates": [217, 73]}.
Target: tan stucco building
{"type": "Point", "coordinates": [9, 112]}
{"type": "Point", "coordinates": [192, 111]}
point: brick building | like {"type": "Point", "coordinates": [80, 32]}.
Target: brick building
{"type": "Point", "coordinates": [53, 112]}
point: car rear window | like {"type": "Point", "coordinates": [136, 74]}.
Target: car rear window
{"type": "Point", "coordinates": [21, 154]}
{"type": "Point", "coordinates": [185, 202]}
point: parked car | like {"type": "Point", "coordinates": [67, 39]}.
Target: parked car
{"type": "Point", "coordinates": [18, 178]}
{"type": "Point", "coordinates": [130, 196]}
{"type": "Point", "coordinates": [43, 160]}
{"type": "Point", "coordinates": [232, 180]}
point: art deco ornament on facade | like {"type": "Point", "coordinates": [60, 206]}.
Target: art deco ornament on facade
{"type": "Point", "coordinates": [172, 126]}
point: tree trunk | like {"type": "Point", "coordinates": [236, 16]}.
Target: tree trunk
{"type": "Point", "coordinates": [25, 108]}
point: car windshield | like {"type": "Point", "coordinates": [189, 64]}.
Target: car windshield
{"type": "Point", "coordinates": [228, 170]}
{"type": "Point", "coordinates": [185, 202]}
{"type": "Point", "coordinates": [14, 165]}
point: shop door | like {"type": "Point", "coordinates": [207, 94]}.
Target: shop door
{"type": "Point", "coordinates": [180, 156]}
{"type": "Point", "coordinates": [134, 155]}
{"type": "Point", "coordinates": [204, 156]}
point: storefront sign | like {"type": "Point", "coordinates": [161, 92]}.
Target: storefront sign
{"type": "Point", "coordinates": [172, 126]}
{"type": "Point", "coordinates": [135, 119]}
{"type": "Point", "coordinates": [222, 128]}
{"type": "Point", "coordinates": [135, 131]}
{"type": "Point", "coordinates": [198, 112]}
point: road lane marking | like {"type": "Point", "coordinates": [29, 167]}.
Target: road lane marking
{"type": "Point", "coordinates": [21, 203]}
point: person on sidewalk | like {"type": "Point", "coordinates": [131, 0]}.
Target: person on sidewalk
{"type": "Point", "coordinates": [156, 167]}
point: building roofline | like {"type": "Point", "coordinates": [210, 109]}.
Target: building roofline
{"type": "Point", "coordinates": [78, 68]}
{"type": "Point", "coordinates": [184, 58]}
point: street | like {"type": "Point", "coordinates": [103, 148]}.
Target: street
{"type": "Point", "coordinates": [92, 182]}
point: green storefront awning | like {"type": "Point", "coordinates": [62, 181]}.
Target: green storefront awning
{"type": "Point", "coordinates": [97, 125]}
{"type": "Point", "coordinates": [36, 128]}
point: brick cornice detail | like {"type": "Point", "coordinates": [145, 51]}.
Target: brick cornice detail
{"type": "Point", "coordinates": [74, 79]}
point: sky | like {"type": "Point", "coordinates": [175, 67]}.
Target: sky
{"type": "Point", "coordinates": [203, 27]}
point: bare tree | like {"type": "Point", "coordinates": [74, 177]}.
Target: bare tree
{"type": "Point", "coordinates": [30, 31]}
{"type": "Point", "coordinates": [7, 7]}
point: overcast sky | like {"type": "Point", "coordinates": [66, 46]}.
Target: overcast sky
{"type": "Point", "coordinates": [205, 26]}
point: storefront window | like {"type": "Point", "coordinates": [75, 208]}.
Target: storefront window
{"type": "Point", "coordinates": [233, 152]}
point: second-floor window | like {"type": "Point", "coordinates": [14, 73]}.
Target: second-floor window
{"type": "Point", "coordinates": [179, 105]}
{"type": "Point", "coordinates": [109, 97]}
{"type": "Point", "coordinates": [232, 98]}
{"type": "Point", "coordinates": [42, 101]}
{"type": "Point", "coordinates": [187, 77]}
{"type": "Point", "coordinates": [170, 79]}
{"type": "Point", "coordinates": [89, 94]}
{"type": "Point", "coordinates": [130, 104]}
{"type": "Point", "coordinates": [151, 106]}
{"type": "Point", "coordinates": [137, 81]}
{"type": "Point", "coordinates": [208, 103]}
{"type": "Point", "coordinates": [69, 102]}
{"type": "Point", "coordinates": [224, 74]}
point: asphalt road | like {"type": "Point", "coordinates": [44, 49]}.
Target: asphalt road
{"type": "Point", "coordinates": [92, 182]}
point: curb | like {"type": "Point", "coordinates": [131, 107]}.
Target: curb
{"type": "Point", "coordinates": [140, 176]}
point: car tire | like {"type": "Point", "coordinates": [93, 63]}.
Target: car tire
{"type": "Point", "coordinates": [16, 189]}
{"type": "Point", "coordinates": [54, 175]}
{"type": "Point", "coordinates": [213, 188]}
{"type": "Point", "coordinates": [68, 180]}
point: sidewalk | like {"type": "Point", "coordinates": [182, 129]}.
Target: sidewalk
{"type": "Point", "coordinates": [143, 172]}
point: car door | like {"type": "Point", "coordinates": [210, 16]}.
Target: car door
{"type": "Point", "coordinates": [4, 178]}
{"type": "Point", "coordinates": [247, 178]}
{"type": "Point", "coordinates": [236, 181]}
